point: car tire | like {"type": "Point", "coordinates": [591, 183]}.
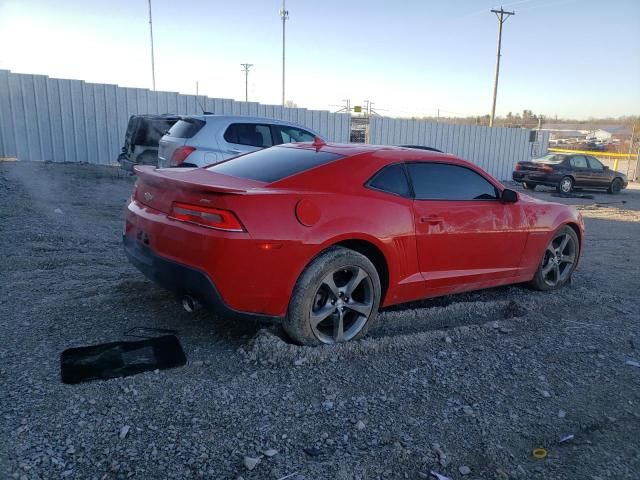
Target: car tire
{"type": "Point", "coordinates": [565, 185]}
{"type": "Point", "coordinates": [339, 287]}
{"type": "Point", "coordinates": [558, 261]}
{"type": "Point", "coordinates": [529, 186]}
{"type": "Point", "coordinates": [615, 187]}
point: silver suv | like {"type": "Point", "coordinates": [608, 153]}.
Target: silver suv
{"type": "Point", "coordinates": [201, 140]}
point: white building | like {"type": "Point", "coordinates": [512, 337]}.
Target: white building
{"type": "Point", "coordinates": [607, 134]}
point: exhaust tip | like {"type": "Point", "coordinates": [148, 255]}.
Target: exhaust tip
{"type": "Point", "coordinates": [189, 303]}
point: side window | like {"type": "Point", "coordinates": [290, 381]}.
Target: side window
{"type": "Point", "coordinates": [595, 164]}
{"type": "Point", "coordinates": [253, 134]}
{"type": "Point", "coordinates": [578, 161]}
{"type": "Point", "coordinates": [263, 133]}
{"type": "Point", "coordinates": [292, 134]}
{"type": "Point", "coordinates": [391, 179]}
{"type": "Point", "coordinates": [440, 181]}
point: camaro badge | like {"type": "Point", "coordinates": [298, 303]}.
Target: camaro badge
{"type": "Point", "coordinates": [148, 197]}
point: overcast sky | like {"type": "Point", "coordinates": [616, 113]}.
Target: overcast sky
{"type": "Point", "coordinates": [571, 58]}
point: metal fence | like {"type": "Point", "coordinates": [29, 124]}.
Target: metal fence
{"type": "Point", "coordinates": [494, 149]}
{"type": "Point", "coordinates": [43, 118]}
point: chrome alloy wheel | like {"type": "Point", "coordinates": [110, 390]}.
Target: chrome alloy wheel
{"type": "Point", "coordinates": [565, 185]}
{"type": "Point", "coordinates": [342, 305]}
{"type": "Point", "coordinates": [559, 259]}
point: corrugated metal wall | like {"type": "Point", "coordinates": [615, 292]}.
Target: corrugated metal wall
{"type": "Point", "coordinates": [494, 149]}
{"type": "Point", "coordinates": [44, 118]}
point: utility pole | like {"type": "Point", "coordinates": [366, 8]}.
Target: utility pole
{"type": "Point", "coordinates": [633, 135]}
{"type": "Point", "coordinates": [245, 69]}
{"type": "Point", "coordinates": [367, 107]}
{"type": "Point", "coordinates": [284, 14]}
{"type": "Point", "coordinates": [153, 65]}
{"type": "Point", "coordinates": [502, 15]}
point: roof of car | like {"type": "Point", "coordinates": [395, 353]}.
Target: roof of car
{"type": "Point", "coordinates": [350, 149]}
{"type": "Point", "coordinates": [240, 118]}
{"type": "Point", "coordinates": [366, 159]}
{"type": "Point", "coordinates": [381, 155]}
{"type": "Point", "coordinates": [228, 119]}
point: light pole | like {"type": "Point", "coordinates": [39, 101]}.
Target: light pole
{"type": "Point", "coordinates": [501, 19]}
{"type": "Point", "coordinates": [153, 66]}
{"type": "Point", "coordinates": [245, 69]}
{"type": "Point", "coordinates": [284, 14]}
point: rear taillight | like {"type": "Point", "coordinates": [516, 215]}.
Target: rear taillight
{"type": "Point", "coordinates": [206, 217]}
{"type": "Point", "coordinates": [518, 166]}
{"type": "Point", "coordinates": [181, 154]}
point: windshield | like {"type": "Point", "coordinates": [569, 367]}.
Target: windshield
{"type": "Point", "coordinates": [551, 158]}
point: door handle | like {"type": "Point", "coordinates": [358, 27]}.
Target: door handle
{"type": "Point", "coordinates": [432, 219]}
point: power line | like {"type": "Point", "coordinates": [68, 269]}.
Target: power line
{"type": "Point", "coordinates": [367, 107]}
{"type": "Point", "coordinates": [245, 69]}
{"type": "Point", "coordinates": [427, 112]}
{"type": "Point", "coordinates": [284, 14]}
{"type": "Point", "coordinates": [455, 20]}
{"type": "Point", "coordinates": [344, 108]}
{"type": "Point", "coordinates": [501, 19]}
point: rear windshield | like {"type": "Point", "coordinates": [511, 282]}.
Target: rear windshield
{"type": "Point", "coordinates": [150, 132]}
{"type": "Point", "coordinates": [550, 159]}
{"type": "Point", "coordinates": [186, 128]}
{"type": "Point", "coordinates": [273, 164]}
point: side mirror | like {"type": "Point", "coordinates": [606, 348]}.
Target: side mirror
{"type": "Point", "coordinates": [606, 167]}
{"type": "Point", "coordinates": [508, 196]}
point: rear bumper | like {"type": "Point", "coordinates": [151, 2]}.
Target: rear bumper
{"type": "Point", "coordinates": [182, 279]}
{"type": "Point", "coordinates": [536, 178]}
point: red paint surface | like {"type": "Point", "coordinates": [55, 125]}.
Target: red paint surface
{"type": "Point", "coordinates": [431, 248]}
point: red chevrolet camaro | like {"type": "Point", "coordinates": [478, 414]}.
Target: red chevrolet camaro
{"type": "Point", "coordinates": [320, 236]}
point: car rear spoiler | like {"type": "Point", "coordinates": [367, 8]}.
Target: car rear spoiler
{"type": "Point", "coordinates": [194, 179]}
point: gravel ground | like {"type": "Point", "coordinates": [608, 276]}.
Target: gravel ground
{"type": "Point", "coordinates": [465, 385]}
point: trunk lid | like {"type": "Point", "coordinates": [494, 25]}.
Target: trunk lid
{"type": "Point", "coordinates": [159, 188]}
{"type": "Point", "coordinates": [535, 166]}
